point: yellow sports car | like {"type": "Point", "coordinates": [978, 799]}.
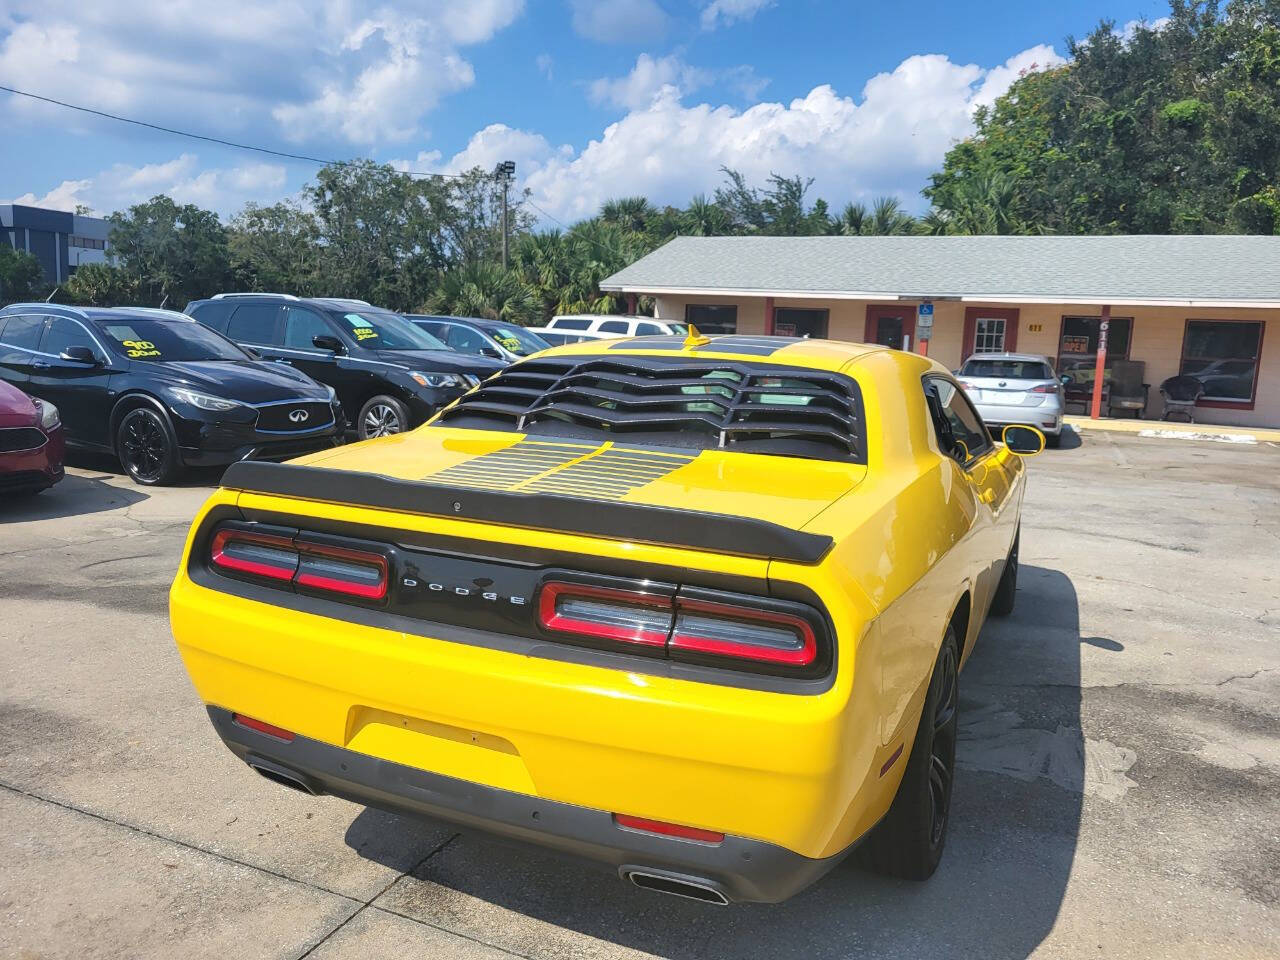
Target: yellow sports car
{"type": "Point", "coordinates": [690, 607]}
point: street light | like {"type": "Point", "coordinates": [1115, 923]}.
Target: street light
{"type": "Point", "coordinates": [504, 173]}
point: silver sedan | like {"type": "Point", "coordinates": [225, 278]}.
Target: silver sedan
{"type": "Point", "coordinates": [1015, 388]}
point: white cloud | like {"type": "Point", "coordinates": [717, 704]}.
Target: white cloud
{"type": "Point", "coordinates": [618, 21]}
{"type": "Point", "coordinates": [544, 63]}
{"type": "Point", "coordinates": [886, 141]}
{"type": "Point", "coordinates": [724, 12]}
{"type": "Point", "coordinates": [1130, 28]}
{"type": "Point", "coordinates": [319, 71]}
{"type": "Point", "coordinates": [224, 190]}
{"type": "Point", "coordinates": [647, 79]}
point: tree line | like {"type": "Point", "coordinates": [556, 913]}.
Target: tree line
{"type": "Point", "coordinates": [1172, 128]}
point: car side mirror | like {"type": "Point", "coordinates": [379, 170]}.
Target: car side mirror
{"type": "Point", "coordinates": [490, 352]}
{"type": "Point", "coordinates": [79, 354]}
{"type": "Point", "coordinates": [1066, 379]}
{"type": "Point", "coordinates": [326, 342]}
{"type": "Point", "coordinates": [1022, 440]}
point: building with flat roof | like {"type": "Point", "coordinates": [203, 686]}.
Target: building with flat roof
{"type": "Point", "coordinates": [1194, 305]}
{"type": "Point", "coordinates": [61, 241]}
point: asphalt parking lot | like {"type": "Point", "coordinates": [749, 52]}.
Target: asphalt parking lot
{"type": "Point", "coordinates": [1119, 791]}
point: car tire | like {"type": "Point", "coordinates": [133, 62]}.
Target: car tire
{"type": "Point", "coordinates": [1007, 588]}
{"type": "Point", "coordinates": [147, 447]}
{"type": "Point", "coordinates": [908, 842]}
{"type": "Point", "coordinates": [382, 416]}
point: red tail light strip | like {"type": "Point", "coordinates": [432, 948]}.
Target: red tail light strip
{"type": "Point", "coordinates": [316, 566]}
{"type": "Point", "coordinates": [554, 618]}
{"type": "Point", "coordinates": [358, 563]}
{"type": "Point", "coordinates": [262, 565]}
{"type": "Point", "coordinates": [668, 829]}
{"type": "Point", "coordinates": [801, 654]}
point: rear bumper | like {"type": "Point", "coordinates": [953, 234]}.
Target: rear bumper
{"type": "Point", "coordinates": [739, 869]}
{"type": "Point", "coordinates": [1046, 419]}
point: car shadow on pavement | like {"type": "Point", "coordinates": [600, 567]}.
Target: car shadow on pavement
{"type": "Point", "coordinates": [1012, 841]}
{"type": "Point", "coordinates": [74, 495]}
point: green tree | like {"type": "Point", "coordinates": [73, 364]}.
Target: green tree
{"type": "Point", "coordinates": [102, 285]}
{"type": "Point", "coordinates": [171, 253]}
{"type": "Point", "coordinates": [21, 276]}
{"type": "Point", "coordinates": [486, 290]}
{"type": "Point", "coordinates": [1170, 129]}
{"type": "Point", "coordinates": [277, 249]}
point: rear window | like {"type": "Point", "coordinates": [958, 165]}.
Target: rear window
{"type": "Point", "coordinates": [673, 401]}
{"type": "Point", "coordinates": [1008, 369]}
{"type": "Point", "coordinates": [570, 323]}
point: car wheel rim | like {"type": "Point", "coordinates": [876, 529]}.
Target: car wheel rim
{"type": "Point", "coordinates": [144, 446]}
{"type": "Point", "coordinates": [943, 750]}
{"type": "Point", "coordinates": [381, 420]}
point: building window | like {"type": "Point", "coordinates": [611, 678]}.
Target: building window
{"type": "Point", "coordinates": [87, 243]}
{"type": "Point", "coordinates": [1223, 355]}
{"type": "Point", "coordinates": [988, 335]}
{"type": "Point", "coordinates": [712, 318]}
{"type": "Point", "coordinates": [1078, 352]}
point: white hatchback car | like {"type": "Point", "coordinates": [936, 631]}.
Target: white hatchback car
{"type": "Point", "coordinates": [1021, 388]}
{"type": "Point", "coordinates": [617, 326]}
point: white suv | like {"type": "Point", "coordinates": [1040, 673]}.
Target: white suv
{"type": "Point", "coordinates": [613, 325]}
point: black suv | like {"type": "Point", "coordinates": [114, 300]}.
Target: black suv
{"type": "Point", "coordinates": [389, 374]}
{"type": "Point", "coordinates": [160, 391]}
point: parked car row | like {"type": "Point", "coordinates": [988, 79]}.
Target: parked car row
{"type": "Point", "coordinates": [259, 376]}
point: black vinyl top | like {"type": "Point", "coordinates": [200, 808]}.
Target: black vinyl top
{"type": "Point", "coordinates": [614, 520]}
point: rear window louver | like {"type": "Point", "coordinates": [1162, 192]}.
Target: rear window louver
{"type": "Point", "coordinates": [675, 401]}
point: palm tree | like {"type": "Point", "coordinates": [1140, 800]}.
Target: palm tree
{"type": "Point", "coordinates": [704, 218]}
{"type": "Point", "coordinates": [986, 204]}
{"type": "Point", "coordinates": [851, 221]}
{"type": "Point", "coordinates": [486, 290]}
{"type": "Point", "coordinates": [629, 213]}
{"type": "Point", "coordinates": [889, 219]}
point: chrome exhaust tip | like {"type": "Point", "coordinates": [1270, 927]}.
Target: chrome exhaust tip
{"type": "Point", "coordinates": [283, 776]}
{"type": "Point", "coordinates": [702, 891]}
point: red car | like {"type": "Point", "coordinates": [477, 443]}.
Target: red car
{"type": "Point", "coordinates": [32, 446]}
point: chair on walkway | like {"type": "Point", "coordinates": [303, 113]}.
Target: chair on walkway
{"type": "Point", "coordinates": [1127, 392]}
{"type": "Point", "coordinates": [1180, 394]}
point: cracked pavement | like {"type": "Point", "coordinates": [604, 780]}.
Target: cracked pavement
{"type": "Point", "coordinates": [1118, 792]}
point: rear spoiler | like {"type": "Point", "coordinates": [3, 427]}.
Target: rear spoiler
{"type": "Point", "coordinates": [610, 519]}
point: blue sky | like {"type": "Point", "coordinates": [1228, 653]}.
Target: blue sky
{"type": "Point", "coordinates": [591, 100]}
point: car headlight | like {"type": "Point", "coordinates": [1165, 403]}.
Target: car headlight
{"type": "Point", "coordinates": [202, 400]}
{"type": "Point", "coordinates": [438, 379]}
{"type": "Point", "coordinates": [333, 394]}
{"type": "Point", "coordinates": [49, 417]}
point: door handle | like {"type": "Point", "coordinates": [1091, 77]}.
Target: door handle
{"type": "Point", "coordinates": [40, 364]}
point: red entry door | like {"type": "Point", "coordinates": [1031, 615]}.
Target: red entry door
{"type": "Point", "coordinates": [892, 326]}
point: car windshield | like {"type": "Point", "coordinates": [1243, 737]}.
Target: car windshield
{"type": "Point", "coordinates": [518, 340]}
{"type": "Point", "coordinates": [1008, 369]}
{"type": "Point", "coordinates": [677, 327]}
{"type": "Point", "coordinates": [384, 330]}
{"type": "Point", "coordinates": [146, 339]}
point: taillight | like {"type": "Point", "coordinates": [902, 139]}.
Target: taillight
{"type": "Point", "coordinates": [743, 633]}
{"type": "Point", "coordinates": [356, 573]}
{"type": "Point", "coordinates": [668, 829]}
{"type": "Point", "coordinates": [259, 554]}
{"type": "Point", "coordinates": [1044, 388]}
{"type": "Point", "coordinates": [284, 557]}
{"type": "Point", "coordinates": [605, 613]}
{"type": "Point", "coordinates": [708, 628]}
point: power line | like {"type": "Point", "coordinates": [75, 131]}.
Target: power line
{"type": "Point", "coordinates": [217, 140]}
{"type": "Point", "coordinates": [544, 213]}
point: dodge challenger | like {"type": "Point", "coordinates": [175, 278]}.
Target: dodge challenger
{"type": "Point", "coordinates": [691, 607]}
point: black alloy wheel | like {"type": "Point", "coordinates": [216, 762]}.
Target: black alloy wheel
{"type": "Point", "coordinates": [909, 841]}
{"type": "Point", "coordinates": [146, 447]}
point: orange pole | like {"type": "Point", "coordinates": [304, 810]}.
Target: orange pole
{"type": "Point", "coordinates": [924, 347]}
{"type": "Point", "coordinates": [1099, 367]}
{"type": "Point", "coordinates": [768, 315]}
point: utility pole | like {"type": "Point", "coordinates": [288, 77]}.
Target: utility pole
{"type": "Point", "coordinates": [504, 173]}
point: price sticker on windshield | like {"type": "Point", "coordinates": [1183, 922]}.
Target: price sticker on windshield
{"type": "Point", "coordinates": [139, 348]}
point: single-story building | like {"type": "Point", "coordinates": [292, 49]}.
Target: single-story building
{"type": "Point", "coordinates": [1197, 305]}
